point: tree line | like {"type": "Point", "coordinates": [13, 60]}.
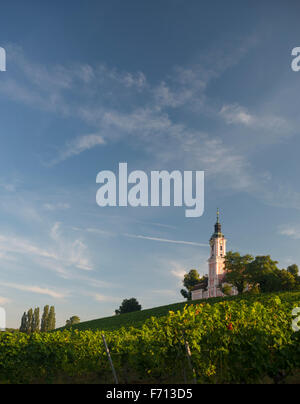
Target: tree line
{"type": "Point", "coordinates": [31, 322]}
{"type": "Point", "coordinates": [246, 273]}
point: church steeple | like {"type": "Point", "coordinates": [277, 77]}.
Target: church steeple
{"type": "Point", "coordinates": [218, 231]}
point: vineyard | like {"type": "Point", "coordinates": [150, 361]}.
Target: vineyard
{"type": "Point", "coordinates": [243, 340]}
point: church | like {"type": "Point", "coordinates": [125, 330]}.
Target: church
{"type": "Point", "coordinates": [216, 266]}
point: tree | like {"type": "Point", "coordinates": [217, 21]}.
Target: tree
{"type": "Point", "coordinates": [72, 320]}
{"type": "Point", "coordinates": [264, 272]}
{"type": "Point", "coordinates": [293, 269]}
{"type": "Point", "coordinates": [36, 320]}
{"type": "Point", "coordinates": [236, 270]}
{"type": "Point", "coordinates": [24, 324]}
{"type": "Point", "coordinates": [189, 281]}
{"type": "Point", "coordinates": [287, 280]}
{"type": "Point", "coordinates": [44, 323]}
{"type": "Point", "coordinates": [226, 289]}
{"type": "Point", "coordinates": [29, 321]}
{"type": "Point", "coordinates": [51, 322]}
{"type": "Point", "coordinates": [128, 306]}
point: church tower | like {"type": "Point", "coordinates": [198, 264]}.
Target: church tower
{"type": "Point", "coordinates": [216, 260]}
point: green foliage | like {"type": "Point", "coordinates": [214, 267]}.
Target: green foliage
{"type": "Point", "coordinates": [232, 341]}
{"type": "Point", "coordinates": [45, 321]}
{"type": "Point", "coordinates": [264, 272]}
{"type": "Point", "coordinates": [226, 290]}
{"type": "Point", "coordinates": [30, 321]}
{"type": "Point", "coordinates": [137, 318]}
{"type": "Point", "coordinates": [236, 266]}
{"type": "Point", "coordinates": [260, 273]}
{"type": "Point", "coordinates": [129, 306]}
{"type": "Point", "coordinates": [293, 269]}
{"type": "Point", "coordinates": [51, 320]}
{"type": "Point", "coordinates": [36, 320]}
{"type": "Point", "coordinates": [24, 323]}
{"type": "Point", "coordinates": [72, 321]}
{"type": "Point", "coordinates": [190, 280]}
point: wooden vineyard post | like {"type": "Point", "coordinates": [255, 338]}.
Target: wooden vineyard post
{"type": "Point", "coordinates": [189, 355]}
{"type": "Point", "coordinates": [110, 360]}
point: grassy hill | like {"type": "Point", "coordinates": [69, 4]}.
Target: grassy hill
{"type": "Point", "coordinates": [136, 319]}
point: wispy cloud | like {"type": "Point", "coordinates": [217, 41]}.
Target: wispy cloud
{"type": "Point", "coordinates": [103, 298]}
{"type": "Point", "coordinates": [4, 300]}
{"type": "Point", "coordinates": [108, 101]}
{"type": "Point", "coordinates": [237, 114]}
{"type": "Point", "coordinates": [178, 273]}
{"type": "Point", "coordinates": [56, 206]}
{"type": "Point", "coordinates": [78, 146]}
{"type": "Point", "coordinates": [63, 254]}
{"type": "Point", "coordinates": [143, 237]}
{"type": "Point", "coordinates": [35, 289]}
{"type": "Point", "coordinates": [166, 292]}
{"type": "Point", "coordinates": [290, 231]}
{"type": "Point", "coordinates": [164, 240]}
{"type": "Point", "coordinates": [70, 253]}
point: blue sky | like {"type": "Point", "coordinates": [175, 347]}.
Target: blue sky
{"type": "Point", "coordinates": [163, 86]}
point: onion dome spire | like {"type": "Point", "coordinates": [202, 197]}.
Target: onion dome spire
{"type": "Point", "coordinates": [218, 231]}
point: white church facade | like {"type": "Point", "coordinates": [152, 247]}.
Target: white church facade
{"type": "Point", "coordinates": [216, 267]}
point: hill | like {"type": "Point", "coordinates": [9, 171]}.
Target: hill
{"type": "Point", "coordinates": [243, 339]}
{"type": "Point", "coordinates": [136, 319]}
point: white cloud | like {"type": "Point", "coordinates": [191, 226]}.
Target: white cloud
{"type": "Point", "coordinates": [178, 273]}
{"type": "Point", "coordinates": [290, 231]}
{"type": "Point", "coordinates": [20, 246]}
{"type": "Point", "coordinates": [54, 232]}
{"type": "Point", "coordinates": [48, 87]}
{"type": "Point", "coordinates": [104, 98]}
{"type": "Point", "coordinates": [56, 206]}
{"type": "Point", "coordinates": [167, 97]}
{"type": "Point", "coordinates": [177, 270]}
{"type": "Point", "coordinates": [79, 145]}
{"type": "Point", "coordinates": [77, 256]}
{"type": "Point", "coordinates": [130, 80]}
{"type": "Point", "coordinates": [70, 252]}
{"type": "Point", "coordinates": [4, 300]}
{"type": "Point", "coordinates": [102, 298]}
{"type": "Point", "coordinates": [63, 253]}
{"type": "Point", "coordinates": [35, 289]}
{"type": "Point", "coordinates": [236, 114]}
{"type": "Point", "coordinates": [99, 231]}
{"type": "Point", "coordinates": [165, 292]}
{"type": "Point", "coordinates": [164, 240]}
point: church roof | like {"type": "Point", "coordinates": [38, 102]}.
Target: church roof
{"type": "Point", "coordinates": [218, 231]}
